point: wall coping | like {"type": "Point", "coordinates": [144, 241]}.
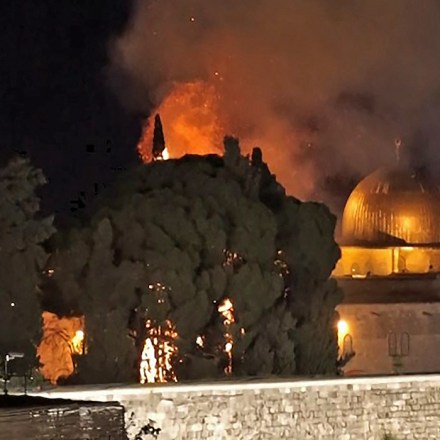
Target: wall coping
{"type": "Point", "coordinates": [98, 392]}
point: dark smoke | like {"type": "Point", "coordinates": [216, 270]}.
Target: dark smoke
{"type": "Point", "coordinates": [323, 86]}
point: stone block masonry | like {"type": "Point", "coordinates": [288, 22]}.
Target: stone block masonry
{"type": "Point", "coordinates": [408, 407]}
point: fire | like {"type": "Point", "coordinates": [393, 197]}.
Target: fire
{"type": "Point", "coordinates": [62, 339]}
{"type": "Point", "coordinates": [158, 353]}
{"type": "Point", "coordinates": [200, 341]}
{"type": "Point", "coordinates": [343, 330]}
{"type": "Point", "coordinates": [196, 116]}
{"type": "Point", "coordinates": [226, 309]}
{"type": "Point", "coordinates": [78, 342]}
{"type": "Point", "coordinates": [191, 122]}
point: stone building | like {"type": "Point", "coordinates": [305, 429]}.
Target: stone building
{"type": "Point", "coordinates": [390, 272]}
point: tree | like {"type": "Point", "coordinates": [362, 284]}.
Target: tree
{"type": "Point", "coordinates": [209, 254]}
{"type": "Point", "coordinates": [308, 248]}
{"type": "Point", "coordinates": [22, 257]}
{"type": "Point", "coordinates": [158, 138]}
{"type": "Point", "coordinates": [92, 281]}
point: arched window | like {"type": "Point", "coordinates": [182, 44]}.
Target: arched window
{"type": "Point", "coordinates": [404, 344]}
{"type": "Point", "coordinates": [347, 345]}
{"type": "Point", "coordinates": [401, 264]}
{"type": "Point", "coordinates": [392, 344]}
{"type": "Point", "coordinates": [398, 346]}
{"type": "Point", "coordinates": [355, 269]}
{"type": "Point", "coordinates": [369, 268]}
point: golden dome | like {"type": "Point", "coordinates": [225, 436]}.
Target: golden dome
{"type": "Point", "coordinates": [391, 205]}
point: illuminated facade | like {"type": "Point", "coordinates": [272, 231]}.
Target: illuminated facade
{"type": "Point", "coordinates": [389, 266]}
{"type": "Point", "coordinates": [391, 225]}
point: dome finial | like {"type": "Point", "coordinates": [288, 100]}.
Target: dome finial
{"type": "Point", "coordinates": [398, 144]}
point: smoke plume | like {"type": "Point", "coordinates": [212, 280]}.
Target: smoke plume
{"type": "Point", "coordinates": [324, 87]}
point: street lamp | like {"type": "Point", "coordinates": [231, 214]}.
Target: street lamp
{"type": "Point", "coordinates": [9, 357]}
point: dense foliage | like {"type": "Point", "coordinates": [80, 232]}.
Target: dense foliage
{"type": "Point", "coordinates": [22, 257]}
{"type": "Point", "coordinates": [177, 238]}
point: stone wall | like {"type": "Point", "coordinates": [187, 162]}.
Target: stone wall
{"type": "Point", "coordinates": [346, 409]}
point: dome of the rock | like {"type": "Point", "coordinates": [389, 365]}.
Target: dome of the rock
{"type": "Point", "coordinates": [393, 205]}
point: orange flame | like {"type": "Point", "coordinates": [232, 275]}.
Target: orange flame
{"type": "Point", "coordinates": [195, 120]}
{"type": "Point", "coordinates": [190, 120]}
{"type": "Point", "coordinates": [226, 309]}
{"type": "Point", "coordinates": [62, 339]}
{"type": "Point", "coordinates": [158, 353]}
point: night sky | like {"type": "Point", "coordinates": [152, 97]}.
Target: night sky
{"type": "Point", "coordinates": [56, 105]}
{"type": "Point", "coordinates": [324, 90]}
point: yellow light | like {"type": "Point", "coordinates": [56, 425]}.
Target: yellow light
{"type": "Point", "coordinates": [77, 342]}
{"type": "Point", "coordinates": [200, 342]}
{"type": "Point", "coordinates": [342, 333]}
{"type": "Point", "coordinates": [406, 222]}
{"type": "Point", "coordinates": [342, 328]}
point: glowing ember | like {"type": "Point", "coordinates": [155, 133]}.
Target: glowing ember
{"type": "Point", "coordinates": [191, 122]}
{"type": "Point", "coordinates": [158, 353]}
{"type": "Point", "coordinates": [200, 342]}
{"type": "Point", "coordinates": [226, 309]}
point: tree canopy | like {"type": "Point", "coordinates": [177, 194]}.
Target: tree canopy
{"type": "Point", "coordinates": [22, 257]}
{"type": "Point", "coordinates": [175, 240]}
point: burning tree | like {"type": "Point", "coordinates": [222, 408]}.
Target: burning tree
{"type": "Point", "coordinates": [22, 257]}
{"type": "Point", "coordinates": [203, 267]}
{"type": "Point", "coordinates": [90, 280]}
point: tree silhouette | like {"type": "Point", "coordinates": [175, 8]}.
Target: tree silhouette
{"type": "Point", "coordinates": [176, 239]}
{"type": "Point", "coordinates": [158, 139]}
{"type": "Point", "coordinates": [22, 257]}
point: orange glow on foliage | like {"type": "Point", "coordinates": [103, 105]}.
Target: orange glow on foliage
{"type": "Point", "coordinates": [62, 339]}
{"type": "Point", "coordinates": [190, 120]}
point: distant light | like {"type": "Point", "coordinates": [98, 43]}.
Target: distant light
{"type": "Point", "coordinates": [12, 304]}
{"type": "Point", "coordinates": [192, 19]}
